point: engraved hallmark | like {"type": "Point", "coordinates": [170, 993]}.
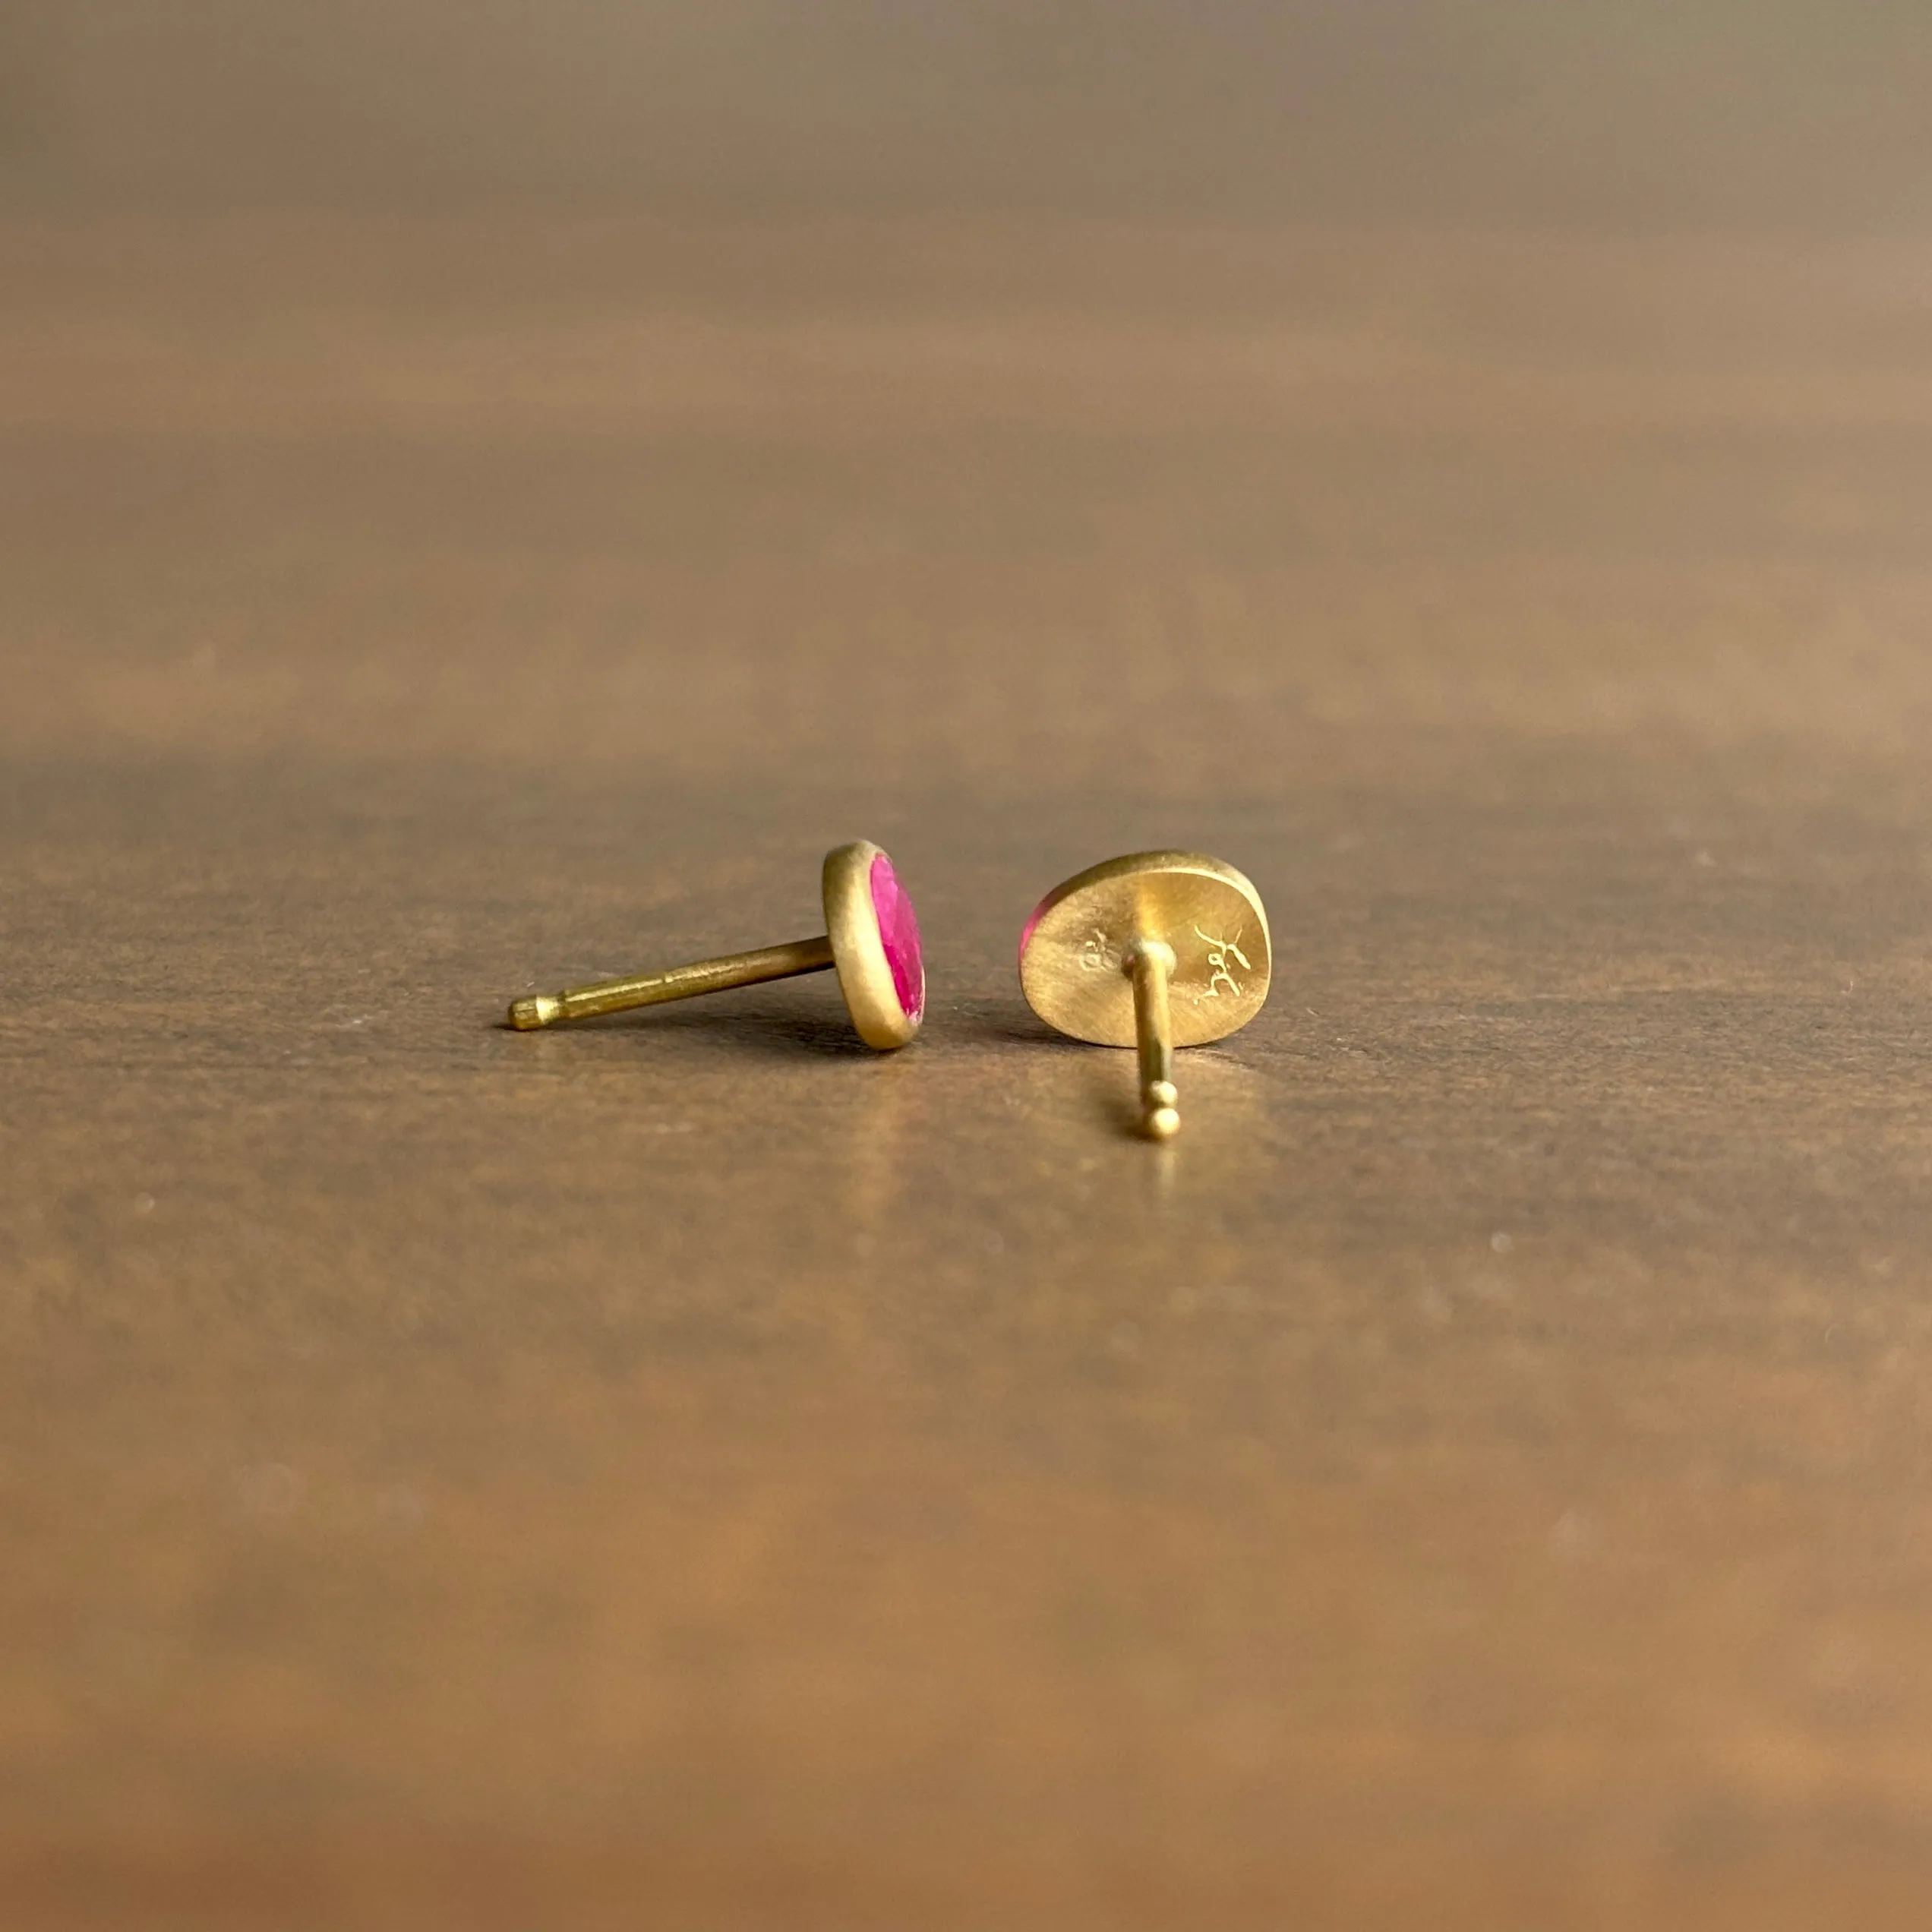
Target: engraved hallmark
{"type": "Point", "coordinates": [1098, 954]}
{"type": "Point", "coordinates": [1220, 951]}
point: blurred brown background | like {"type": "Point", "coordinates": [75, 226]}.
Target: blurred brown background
{"type": "Point", "coordinates": [487, 495]}
{"type": "Point", "coordinates": [1781, 114]}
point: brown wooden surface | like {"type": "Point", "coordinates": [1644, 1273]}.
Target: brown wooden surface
{"type": "Point", "coordinates": [691, 1471]}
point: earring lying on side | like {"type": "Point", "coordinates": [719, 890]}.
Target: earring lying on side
{"type": "Point", "coordinates": [871, 939]}
{"type": "Point", "coordinates": [1156, 950]}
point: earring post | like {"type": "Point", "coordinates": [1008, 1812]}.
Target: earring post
{"type": "Point", "coordinates": [538, 1010]}
{"type": "Point", "coordinates": [1150, 963]}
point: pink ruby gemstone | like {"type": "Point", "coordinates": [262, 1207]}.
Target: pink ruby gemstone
{"type": "Point", "coordinates": [898, 933]}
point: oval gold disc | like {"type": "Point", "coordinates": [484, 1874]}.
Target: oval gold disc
{"type": "Point", "coordinates": [1074, 953]}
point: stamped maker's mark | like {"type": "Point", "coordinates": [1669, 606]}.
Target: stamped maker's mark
{"type": "Point", "coordinates": [1220, 951]}
{"type": "Point", "coordinates": [1098, 954]}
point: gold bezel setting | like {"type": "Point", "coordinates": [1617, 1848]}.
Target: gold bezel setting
{"type": "Point", "coordinates": [865, 973]}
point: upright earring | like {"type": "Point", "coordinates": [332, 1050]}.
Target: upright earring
{"type": "Point", "coordinates": [1157, 950]}
{"type": "Point", "coordinates": [871, 938]}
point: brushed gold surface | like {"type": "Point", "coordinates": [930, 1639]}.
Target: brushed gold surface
{"type": "Point", "coordinates": [1078, 946]}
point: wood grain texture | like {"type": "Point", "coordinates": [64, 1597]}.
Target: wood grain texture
{"type": "Point", "coordinates": [690, 1470]}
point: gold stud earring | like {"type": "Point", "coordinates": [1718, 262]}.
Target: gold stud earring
{"type": "Point", "coordinates": [871, 939]}
{"type": "Point", "coordinates": [1156, 950]}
